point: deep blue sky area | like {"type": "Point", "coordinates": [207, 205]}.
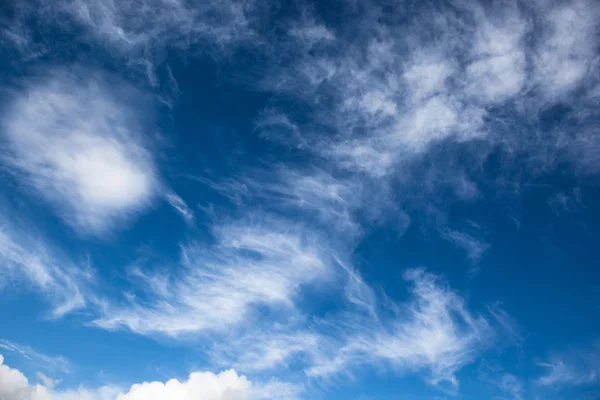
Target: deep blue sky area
{"type": "Point", "coordinates": [244, 200]}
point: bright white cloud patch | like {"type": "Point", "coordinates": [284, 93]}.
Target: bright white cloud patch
{"type": "Point", "coordinates": [200, 385]}
{"type": "Point", "coordinates": [227, 385]}
{"type": "Point", "coordinates": [80, 147]}
{"type": "Point", "coordinates": [15, 386]}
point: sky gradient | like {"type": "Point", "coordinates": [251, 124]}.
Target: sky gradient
{"type": "Point", "coordinates": [346, 199]}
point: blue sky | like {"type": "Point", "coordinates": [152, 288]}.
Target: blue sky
{"type": "Point", "coordinates": [235, 200]}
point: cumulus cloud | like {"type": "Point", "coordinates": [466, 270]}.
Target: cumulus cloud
{"type": "Point", "coordinates": [200, 385]}
{"type": "Point", "coordinates": [15, 386]}
{"type": "Point", "coordinates": [227, 385]}
{"type": "Point", "coordinates": [80, 147]}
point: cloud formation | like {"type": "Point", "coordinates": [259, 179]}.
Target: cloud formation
{"type": "Point", "coordinates": [397, 115]}
{"type": "Point", "coordinates": [27, 258]}
{"type": "Point", "coordinates": [227, 385]}
{"type": "Point", "coordinates": [79, 145]}
{"type": "Point", "coordinates": [182, 208]}
{"type": "Point", "coordinates": [434, 331]}
{"type": "Point", "coordinates": [577, 367]}
{"type": "Point", "coordinates": [247, 268]}
{"type": "Point", "coordinates": [44, 361]}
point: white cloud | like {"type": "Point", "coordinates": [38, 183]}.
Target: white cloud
{"type": "Point", "coordinates": [511, 386]}
{"type": "Point", "coordinates": [563, 373]}
{"type": "Point", "coordinates": [25, 257]}
{"type": "Point", "coordinates": [136, 33]}
{"type": "Point", "coordinates": [433, 332]}
{"type": "Point", "coordinates": [567, 49]}
{"type": "Point", "coordinates": [142, 23]}
{"type": "Point", "coordinates": [377, 105]}
{"type": "Point", "coordinates": [46, 362]}
{"type": "Point", "coordinates": [15, 386]}
{"type": "Point", "coordinates": [227, 385]}
{"type": "Point", "coordinates": [498, 69]}
{"type": "Point", "coordinates": [426, 77]}
{"type": "Point", "coordinates": [331, 200]}
{"type": "Point", "coordinates": [474, 247]}
{"type": "Point", "coordinates": [81, 148]}
{"type": "Point", "coordinates": [226, 284]}
{"type": "Point", "coordinates": [178, 204]}
{"type": "Point", "coordinates": [310, 32]}
{"type": "Point", "coordinates": [576, 366]}
{"type": "Point", "coordinates": [260, 350]}
{"type": "Point", "coordinates": [200, 385]}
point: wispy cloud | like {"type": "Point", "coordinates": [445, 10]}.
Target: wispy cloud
{"type": "Point", "coordinates": [267, 349]}
{"type": "Point", "coordinates": [473, 246]}
{"type": "Point", "coordinates": [396, 114]}
{"type": "Point", "coordinates": [321, 197]}
{"type": "Point", "coordinates": [135, 34]}
{"type": "Point", "coordinates": [178, 204]}
{"type": "Point", "coordinates": [248, 267]}
{"type": "Point", "coordinates": [29, 259]}
{"type": "Point", "coordinates": [573, 368]}
{"type": "Point", "coordinates": [511, 386]}
{"type": "Point", "coordinates": [433, 332]}
{"type": "Point", "coordinates": [81, 148]}
{"type": "Point", "coordinates": [48, 363]}
{"type": "Point", "coordinates": [561, 373]}
{"type": "Point", "coordinates": [385, 97]}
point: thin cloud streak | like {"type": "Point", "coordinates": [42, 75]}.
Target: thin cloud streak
{"type": "Point", "coordinates": [576, 367]}
{"type": "Point", "coordinates": [182, 208]}
{"type": "Point", "coordinates": [29, 259]}
{"type": "Point", "coordinates": [248, 267]}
